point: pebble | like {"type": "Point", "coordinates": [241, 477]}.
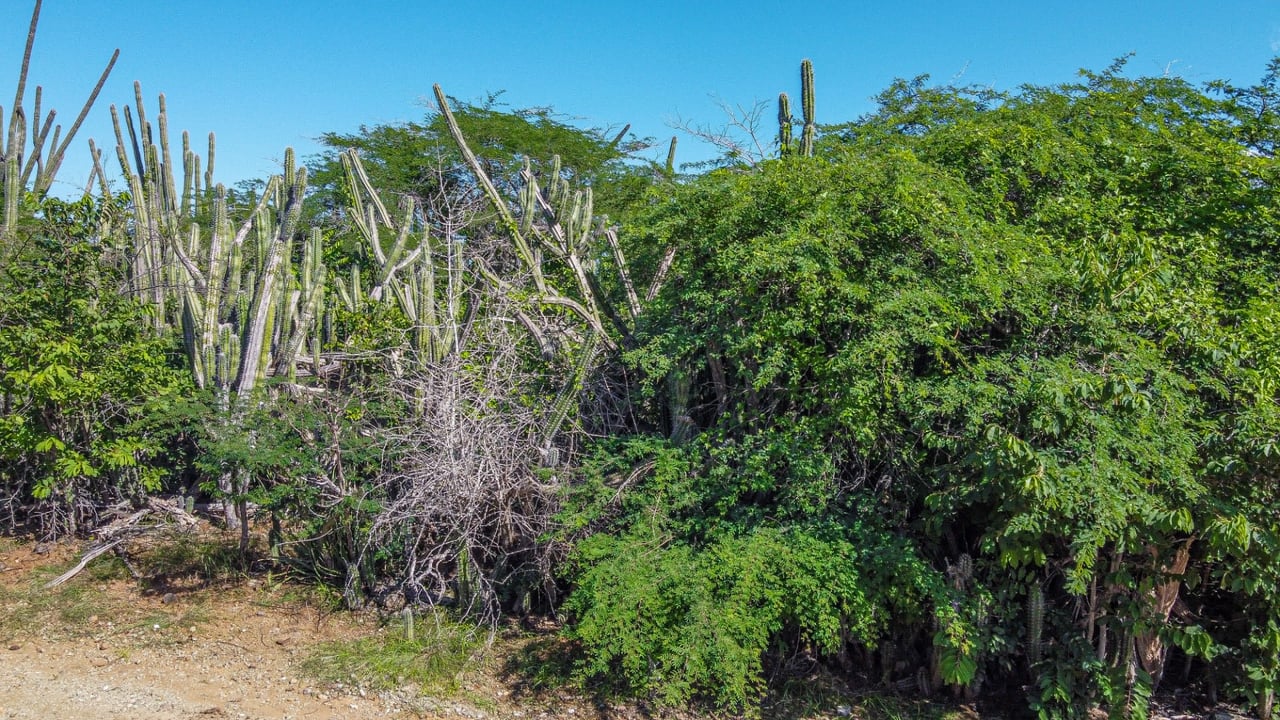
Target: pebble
{"type": "Point", "coordinates": [15, 647]}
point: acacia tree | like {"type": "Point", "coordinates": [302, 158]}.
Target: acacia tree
{"type": "Point", "coordinates": [422, 160]}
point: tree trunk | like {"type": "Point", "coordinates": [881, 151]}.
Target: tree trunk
{"type": "Point", "coordinates": [1150, 648]}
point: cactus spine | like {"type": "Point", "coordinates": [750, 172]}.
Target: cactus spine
{"type": "Point", "coordinates": [806, 106]}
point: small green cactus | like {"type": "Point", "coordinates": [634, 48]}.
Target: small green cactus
{"type": "Point", "coordinates": [1035, 624]}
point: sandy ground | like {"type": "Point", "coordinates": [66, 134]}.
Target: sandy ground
{"type": "Point", "coordinates": [234, 652]}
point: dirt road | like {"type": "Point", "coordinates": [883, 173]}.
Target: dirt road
{"type": "Point", "coordinates": [108, 648]}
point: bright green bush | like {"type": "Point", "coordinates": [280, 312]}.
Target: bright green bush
{"type": "Point", "coordinates": [1030, 335]}
{"type": "Point", "coordinates": [81, 372]}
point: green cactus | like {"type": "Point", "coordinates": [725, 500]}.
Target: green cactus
{"type": "Point", "coordinates": [305, 306]}
{"type": "Point", "coordinates": [427, 288]}
{"type": "Point", "coordinates": [1035, 624]}
{"type": "Point", "coordinates": [961, 572]}
{"type": "Point", "coordinates": [243, 311]}
{"type": "Point", "coordinates": [568, 397]}
{"type": "Point", "coordinates": [784, 124]}
{"type": "Point", "coordinates": [807, 107]}
{"type": "Point", "coordinates": [19, 169]}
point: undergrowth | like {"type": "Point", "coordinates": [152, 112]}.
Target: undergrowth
{"type": "Point", "coordinates": [434, 656]}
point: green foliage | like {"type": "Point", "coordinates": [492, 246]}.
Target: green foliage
{"type": "Point", "coordinates": [435, 662]}
{"type": "Point", "coordinates": [682, 623]}
{"type": "Point", "coordinates": [668, 615]}
{"type": "Point", "coordinates": [977, 386]}
{"type": "Point", "coordinates": [306, 461]}
{"type": "Point", "coordinates": [420, 160]}
{"type": "Point", "coordinates": [79, 372]}
{"type": "Point", "coordinates": [1034, 329]}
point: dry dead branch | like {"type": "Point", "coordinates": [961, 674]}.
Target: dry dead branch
{"type": "Point", "coordinates": [158, 514]}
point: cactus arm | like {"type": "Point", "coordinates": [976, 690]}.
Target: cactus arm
{"type": "Point", "coordinates": [12, 176]}
{"type": "Point", "coordinates": [95, 154]}
{"type": "Point", "coordinates": [344, 295]}
{"type": "Point", "coordinates": [491, 192]}
{"type": "Point", "coordinates": [565, 400]}
{"type": "Point", "coordinates": [633, 301]}
{"type": "Point", "coordinates": [208, 173]}
{"type": "Point", "coordinates": [391, 262]}
{"type": "Point", "coordinates": [784, 124]}
{"type": "Point", "coordinates": [660, 277]}
{"type": "Point", "coordinates": [486, 184]}
{"type": "Point", "coordinates": [617, 139]}
{"type": "Point", "coordinates": [358, 180]}
{"type": "Point", "coordinates": [21, 92]}
{"type": "Point", "coordinates": [192, 269]}
{"type": "Point", "coordinates": [547, 349]}
{"type": "Point", "coordinates": [188, 176]}
{"type": "Point", "coordinates": [39, 136]}
{"type": "Point", "coordinates": [44, 178]}
{"type": "Point", "coordinates": [258, 332]}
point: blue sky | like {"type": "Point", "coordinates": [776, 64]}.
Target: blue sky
{"type": "Point", "coordinates": [267, 75]}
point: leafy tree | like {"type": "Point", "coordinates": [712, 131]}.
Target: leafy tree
{"type": "Point", "coordinates": [1017, 349]}
{"type": "Point", "coordinates": [79, 374]}
{"type": "Point", "coordinates": [420, 159]}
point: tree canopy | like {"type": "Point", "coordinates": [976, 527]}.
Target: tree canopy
{"type": "Point", "coordinates": [1012, 358]}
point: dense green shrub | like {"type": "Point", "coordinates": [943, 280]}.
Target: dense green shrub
{"type": "Point", "coordinates": [1030, 336]}
{"type": "Point", "coordinates": [81, 374]}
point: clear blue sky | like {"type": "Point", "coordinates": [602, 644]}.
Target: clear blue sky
{"type": "Point", "coordinates": [265, 75]}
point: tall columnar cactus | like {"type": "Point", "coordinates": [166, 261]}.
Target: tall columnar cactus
{"type": "Point", "coordinates": [565, 234]}
{"type": "Point", "coordinates": [276, 230]}
{"type": "Point", "coordinates": [243, 308]}
{"type": "Point", "coordinates": [784, 124]}
{"type": "Point", "coordinates": [806, 106]}
{"type": "Point", "coordinates": [1035, 624]}
{"type": "Point", "coordinates": [422, 274]}
{"type": "Point", "coordinates": [558, 243]}
{"type": "Point", "coordinates": [37, 170]}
